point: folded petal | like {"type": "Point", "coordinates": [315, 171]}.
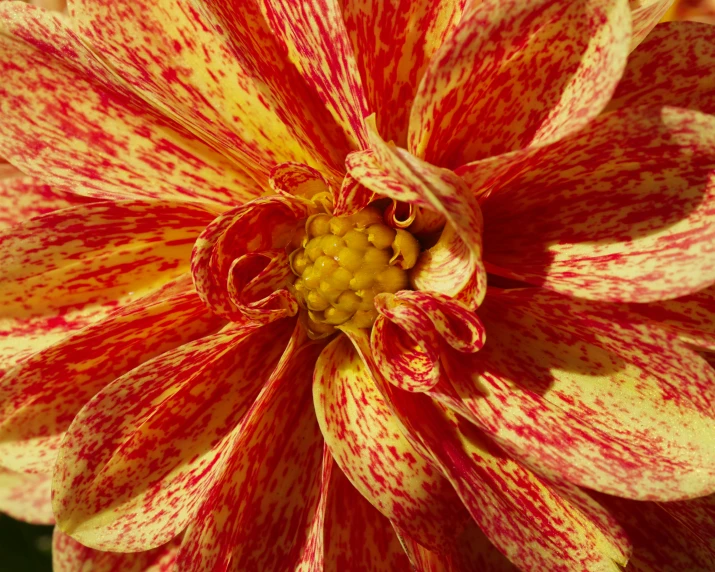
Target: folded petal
{"type": "Point", "coordinates": [393, 43]}
{"type": "Point", "coordinates": [673, 66]}
{"type": "Point", "coordinates": [631, 222]}
{"type": "Point", "coordinates": [314, 34]}
{"type": "Point", "coordinates": [26, 497]}
{"type": "Point", "coordinates": [40, 397]}
{"type": "Point", "coordinates": [171, 53]}
{"type": "Point", "coordinates": [138, 458]}
{"type": "Point", "coordinates": [367, 444]}
{"type": "Point", "coordinates": [259, 512]}
{"type": "Point", "coordinates": [480, 95]}
{"type": "Point", "coordinates": [645, 14]}
{"type": "Point", "coordinates": [576, 391]}
{"type": "Point", "coordinates": [68, 120]}
{"type": "Point", "coordinates": [68, 555]}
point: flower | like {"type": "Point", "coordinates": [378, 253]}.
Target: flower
{"type": "Point", "coordinates": [513, 141]}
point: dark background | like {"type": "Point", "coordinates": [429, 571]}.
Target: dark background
{"type": "Point", "coordinates": [24, 547]}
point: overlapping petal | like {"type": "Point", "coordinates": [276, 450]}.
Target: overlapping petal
{"type": "Point", "coordinates": [516, 74]}
{"type": "Point", "coordinates": [625, 222]}
{"type": "Point", "coordinates": [579, 391]}
{"type": "Point", "coordinates": [68, 120]}
{"type": "Point", "coordinates": [26, 497]}
{"type": "Point", "coordinates": [645, 14]}
{"type": "Point", "coordinates": [139, 456]}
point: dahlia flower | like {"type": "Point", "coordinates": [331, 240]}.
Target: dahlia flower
{"type": "Point", "coordinates": [361, 284]}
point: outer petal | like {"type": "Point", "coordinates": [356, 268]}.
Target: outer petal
{"type": "Point", "coordinates": [481, 94]}
{"type": "Point", "coordinates": [631, 222]}
{"type": "Point", "coordinates": [139, 456]}
{"type": "Point", "coordinates": [646, 14]}
{"type": "Point", "coordinates": [394, 173]}
{"type": "Point", "coordinates": [367, 444]}
{"type": "Point", "coordinates": [68, 555]}
{"type": "Point", "coordinates": [394, 42]}
{"type": "Point", "coordinates": [72, 123]}
{"type": "Point", "coordinates": [571, 389]}
{"type": "Point", "coordinates": [259, 512]}
{"type": "Point", "coordinates": [172, 55]}
{"type": "Point", "coordinates": [314, 34]}
{"type": "Point", "coordinates": [40, 397]}
{"type": "Point", "coordinates": [26, 497]}
{"type": "Point", "coordinates": [672, 67]}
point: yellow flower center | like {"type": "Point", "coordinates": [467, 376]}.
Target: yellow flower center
{"type": "Point", "coordinates": [344, 262]}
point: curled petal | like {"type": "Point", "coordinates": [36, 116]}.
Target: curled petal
{"type": "Point", "coordinates": [352, 195]}
{"type": "Point", "coordinates": [645, 14]}
{"type": "Point", "coordinates": [26, 496]}
{"type": "Point", "coordinates": [515, 75]}
{"type": "Point", "coordinates": [298, 180]}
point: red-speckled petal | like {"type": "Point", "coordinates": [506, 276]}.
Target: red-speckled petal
{"type": "Point", "coordinates": [673, 66]}
{"type": "Point", "coordinates": [170, 52]}
{"type": "Point", "coordinates": [515, 75]}
{"type": "Point", "coordinates": [138, 458]}
{"type": "Point", "coordinates": [352, 196]}
{"type": "Point", "coordinates": [40, 397]}
{"type": "Point", "coordinates": [356, 535]}
{"type": "Point", "coordinates": [668, 536]}
{"type": "Point", "coordinates": [573, 389]}
{"type": "Point", "coordinates": [631, 222]}
{"type": "Point", "coordinates": [313, 32]}
{"type": "Point", "coordinates": [691, 318]}
{"type": "Point", "coordinates": [68, 555]}
{"type": "Point", "coordinates": [392, 172]}
{"type": "Point", "coordinates": [645, 14]}
{"type": "Point", "coordinates": [93, 253]}
{"type": "Point", "coordinates": [367, 444]}
{"type": "Point", "coordinates": [394, 42]}
{"type": "Point", "coordinates": [71, 122]}
{"type": "Point", "coordinates": [259, 513]}
{"type": "Point", "coordinates": [535, 525]}
{"type": "Point", "coordinates": [26, 497]}
{"type": "Point", "coordinates": [266, 224]}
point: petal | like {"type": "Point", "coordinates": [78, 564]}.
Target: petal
{"type": "Point", "coordinates": [40, 397]}
{"type": "Point", "coordinates": [394, 173]}
{"type": "Point", "coordinates": [352, 196]}
{"type": "Point", "coordinates": [673, 66]}
{"type": "Point", "coordinates": [480, 96]}
{"type": "Point", "coordinates": [576, 391]}
{"type": "Point", "coordinates": [93, 253]}
{"type": "Point", "coordinates": [138, 458]}
{"type": "Point", "coordinates": [69, 121]}
{"type": "Point", "coordinates": [26, 497]}
{"type": "Point", "coordinates": [313, 32]}
{"type": "Point", "coordinates": [367, 444]}
{"type": "Point", "coordinates": [394, 42]}
{"type": "Point", "coordinates": [532, 523]}
{"type": "Point", "coordinates": [172, 55]}
{"type": "Point", "coordinates": [68, 555]}
{"type": "Point", "coordinates": [645, 15]}
{"type": "Point", "coordinates": [259, 511]}
{"type": "Point", "coordinates": [560, 223]}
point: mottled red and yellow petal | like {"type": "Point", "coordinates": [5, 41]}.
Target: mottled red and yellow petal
{"type": "Point", "coordinates": [366, 442]}
{"type": "Point", "coordinates": [26, 497]}
{"type": "Point", "coordinates": [141, 454]}
{"type": "Point", "coordinates": [71, 122]}
{"type": "Point", "coordinates": [259, 513]}
{"type": "Point", "coordinates": [645, 14]}
{"type": "Point", "coordinates": [515, 75]}
{"type": "Point", "coordinates": [631, 222]}
{"type": "Point", "coordinates": [673, 66]}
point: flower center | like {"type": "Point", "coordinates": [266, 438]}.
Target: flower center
{"type": "Point", "coordinates": [344, 262]}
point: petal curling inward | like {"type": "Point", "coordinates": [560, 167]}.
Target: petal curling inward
{"type": "Point", "coordinates": [71, 122]}
{"type": "Point", "coordinates": [559, 223]}
{"type": "Point", "coordinates": [394, 42]}
{"type": "Point", "coordinates": [262, 227]}
{"type": "Point", "coordinates": [40, 397]}
{"type": "Point", "coordinates": [138, 458]}
{"type": "Point", "coordinates": [673, 66]}
{"type": "Point", "coordinates": [26, 497]}
{"type": "Point", "coordinates": [515, 75]}
{"type": "Point", "coordinates": [645, 15]}
{"type": "Point", "coordinates": [259, 511]}
{"type": "Point", "coordinates": [457, 262]}
{"type": "Point", "coordinates": [367, 444]}
{"type": "Point", "coordinates": [579, 391]}
{"type": "Point", "coordinates": [314, 34]}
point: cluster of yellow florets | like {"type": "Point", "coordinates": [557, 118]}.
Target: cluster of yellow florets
{"type": "Point", "coordinates": [344, 262]}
